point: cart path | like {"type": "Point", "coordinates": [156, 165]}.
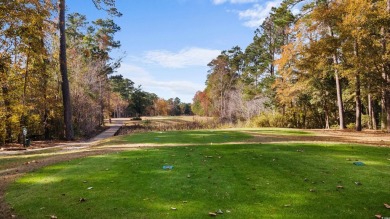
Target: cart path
{"type": "Point", "coordinates": [114, 126]}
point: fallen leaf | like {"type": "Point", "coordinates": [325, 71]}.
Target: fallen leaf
{"type": "Point", "coordinates": [89, 188]}
{"type": "Point", "coordinates": [288, 205]}
{"type": "Point", "coordinates": [219, 211]}
{"type": "Point", "coordinates": [212, 214]}
{"type": "Point", "coordinates": [387, 205]}
{"type": "Point", "coordinates": [172, 208]}
{"type": "Point", "coordinates": [53, 217]}
{"type": "Point", "coordinates": [378, 216]}
{"type": "Point", "coordinates": [340, 187]}
{"type": "Point", "coordinates": [82, 200]}
{"type": "Point", "coordinates": [312, 190]}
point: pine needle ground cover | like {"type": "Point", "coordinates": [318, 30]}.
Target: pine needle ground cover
{"type": "Point", "coordinates": [242, 180]}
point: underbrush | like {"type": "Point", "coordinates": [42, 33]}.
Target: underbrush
{"type": "Point", "coordinates": [150, 125]}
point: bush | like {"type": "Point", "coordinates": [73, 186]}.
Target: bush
{"type": "Point", "coordinates": [335, 126]}
{"type": "Point", "coordinates": [365, 121]}
{"type": "Point", "coordinates": [351, 125]}
{"type": "Point", "coordinates": [136, 119]}
{"type": "Point", "coordinates": [268, 120]}
{"type": "Point", "coordinates": [277, 120]}
{"type": "Point", "coordinates": [260, 121]}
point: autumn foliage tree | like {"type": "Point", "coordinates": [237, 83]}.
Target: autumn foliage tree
{"type": "Point", "coordinates": [30, 79]}
{"type": "Point", "coordinates": [324, 66]}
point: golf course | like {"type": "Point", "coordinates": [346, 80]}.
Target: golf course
{"type": "Point", "coordinates": [225, 173]}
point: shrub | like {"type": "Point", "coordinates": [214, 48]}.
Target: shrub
{"type": "Point", "coordinates": [365, 121]}
{"type": "Point", "coordinates": [268, 120]}
{"type": "Point", "coordinates": [260, 121]}
{"type": "Point", "coordinates": [277, 120]}
{"type": "Point", "coordinates": [351, 125]}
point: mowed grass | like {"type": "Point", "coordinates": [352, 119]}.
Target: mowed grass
{"type": "Point", "coordinates": [281, 131]}
{"type": "Point", "coordinates": [200, 137]}
{"type": "Point", "coordinates": [244, 181]}
{"type": "Point", "coordinates": [8, 161]}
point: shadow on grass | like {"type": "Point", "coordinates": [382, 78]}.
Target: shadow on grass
{"type": "Point", "coordinates": [282, 131]}
{"type": "Point", "coordinates": [181, 137]}
{"type": "Point", "coordinates": [250, 181]}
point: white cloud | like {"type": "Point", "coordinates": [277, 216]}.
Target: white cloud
{"type": "Point", "coordinates": [134, 72]}
{"type": "Point", "coordinates": [184, 58]}
{"type": "Point", "coordinates": [177, 87]}
{"type": "Point", "coordinates": [219, 2]}
{"type": "Point", "coordinates": [255, 16]}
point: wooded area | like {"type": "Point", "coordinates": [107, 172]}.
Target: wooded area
{"type": "Point", "coordinates": [55, 81]}
{"type": "Point", "coordinates": [326, 66]}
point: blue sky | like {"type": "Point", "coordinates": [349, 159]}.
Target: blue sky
{"type": "Point", "coordinates": [166, 44]}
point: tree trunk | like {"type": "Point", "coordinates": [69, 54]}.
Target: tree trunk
{"type": "Point", "coordinates": [327, 120]}
{"type": "Point", "coordinates": [387, 73]}
{"type": "Point", "coordinates": [101, 102]}
{"type": "Point", "coordinates": [358, 124]}
{"type": "Point", "coordinates": [45, 100]}
{"type": "Point", "coordinates": [327, 126]}
{"type": "Point", "coordinates": [339, 100]}
{"type": "Point", "coordinates": [385, 101]}
{"type": "Point", "coordinates": [69, 135]}
{"type": "Point", "coordinates": [8, 114]}
{"type": "Point", "coordinates": [358, 100]}
{"type": "Point", "coordinates": [371, 114]}
{"type": "Point", "coordinates": [383, 110]}
{"type": "Point", "coordinates": [338, 87]}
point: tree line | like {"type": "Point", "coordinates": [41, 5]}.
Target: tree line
{"type": "Point", "coordinates": [129, 101]}
{"type": "Point", "coordinates": [55, 72]}
{"type": "Point", "coordinates": [327, 65]}
{"type": "Point", "coordinates": [40, 72]}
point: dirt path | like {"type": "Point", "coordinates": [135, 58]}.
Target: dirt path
{"type": "Point", "coordinates": [38, 159]}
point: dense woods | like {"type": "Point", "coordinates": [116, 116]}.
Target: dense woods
{"type": "Point", "coordinates": [325, 66]}
{"type": "Point", "coordinates": [32, 68]}
{"type": "Point", "coordinates": [32, 85]}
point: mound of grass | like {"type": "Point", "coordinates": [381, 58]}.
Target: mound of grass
{"type": "Point", "coordinates": [244, 181]}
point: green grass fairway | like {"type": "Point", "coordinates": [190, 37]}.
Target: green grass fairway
{"type": "Point", "coordinates": [244, 181]}
{"type": "Point", "coordinates": [181, 137]}
{"type": "Point", "coordinates": [280, 131]}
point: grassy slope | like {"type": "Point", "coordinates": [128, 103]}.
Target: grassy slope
{"type": "Point", "coordinates": [251, 181]}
